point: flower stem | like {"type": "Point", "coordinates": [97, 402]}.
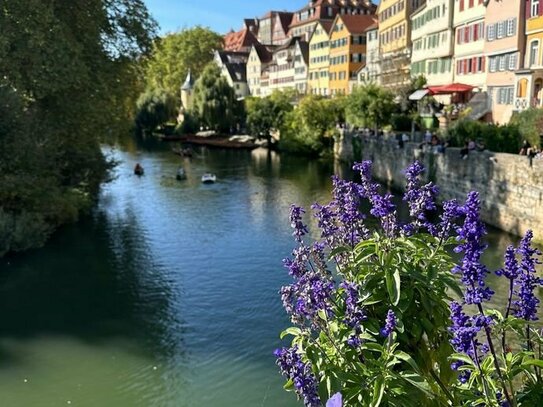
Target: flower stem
{"type": "Point", "coordinates": [495, 357]}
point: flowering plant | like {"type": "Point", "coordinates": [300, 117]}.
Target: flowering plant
{"type": "Point", "coordinates": [383, 315]}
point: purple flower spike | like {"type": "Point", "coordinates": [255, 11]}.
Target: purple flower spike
{"type": "Point", "coordinates": [390, 324]}
{"type": "Point", "coordinates": [354, 313]}
{"type": "Point", "coordinates": [473, 271]}
{"type": "Point", "coordinates": [527, 281]}
{"type": "Point", "coordinates": [300, 230]}
{"type": "Point", "coordinates": [420, 199]}
{"type": "Point", "coordinates": [292, 367]}
{"type": "Point", "coordinates": [335, 401]}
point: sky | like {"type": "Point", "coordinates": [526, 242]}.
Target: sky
{"type": "Point", "coordinates": [219, 15]}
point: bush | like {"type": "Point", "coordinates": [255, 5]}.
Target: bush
{"type": "Point", "coordinates": [504, 139]}
{"type": "Point", "coordinates": [374, 318]}
{"type": "Point", "coordinates": [530, 124]}
{"type": "Point", "coordinates": [401, 122]}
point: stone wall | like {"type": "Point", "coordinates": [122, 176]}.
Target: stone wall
{"type": "Point", "coordinates": [511, 189]}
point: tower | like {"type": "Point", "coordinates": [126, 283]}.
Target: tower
{"type": "Point", "coordinates": [187, 92]}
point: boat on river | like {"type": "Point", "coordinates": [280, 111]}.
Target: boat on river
{"type": "Point", "coordinates": [138, 170]}
{"type": "Point", "coordinates": [209, 178]}
{"type": "Point", "coordinates": [181, 174]}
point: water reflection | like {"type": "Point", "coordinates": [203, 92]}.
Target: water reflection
{"type": "Point", "coordinates": [167, 295]}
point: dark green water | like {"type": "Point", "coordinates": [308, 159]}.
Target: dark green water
{"type": "Point", "coordinates": [167, 295]}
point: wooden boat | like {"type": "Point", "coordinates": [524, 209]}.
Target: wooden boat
{"type": "Point", "coordinates": [209, 178]}
{"type": "Point", "coordinates": [181, 174]}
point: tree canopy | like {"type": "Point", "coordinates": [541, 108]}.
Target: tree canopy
{"type": "Point", "coordinates": [369, 105]}
{"type": "Point", "coordinates": [69, 76]}
{"type": "Point", "coordinates": [215, 104]}
{"type": "Point", "coordinates": [176, 53]}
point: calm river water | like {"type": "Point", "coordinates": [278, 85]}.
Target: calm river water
{"type": "Point", "coordinates": [168, 294]}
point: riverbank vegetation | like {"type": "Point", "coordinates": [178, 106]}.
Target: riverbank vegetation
{"type": "Point", "coordinates": [383, 315]}
{"type": "Point", "coordinates": [69, 78]}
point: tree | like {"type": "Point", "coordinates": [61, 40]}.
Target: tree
{"type": "Point", "coordinates": [369, 105]}
{"type": "Point", "coordinates": [69, 77]}
{"type": "Point", "coordinates": [309, 128]}
{"type": "Point", "coordinates": [530, 125]}
{"type": "Point", "coordinates": [265, 115]}
{"type": "Point", "coordinates": [215, 104]}
{"type": "Point", "coordinates": [155, 107]}
{"type": "Point", "coordinates": [175, 54]}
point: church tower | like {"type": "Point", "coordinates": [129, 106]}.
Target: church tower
{"type": "Point", "coordinates": [187, 92]}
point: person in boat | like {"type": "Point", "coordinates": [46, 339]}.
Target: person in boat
{"type": "Point", "coordinates": [138, 169]}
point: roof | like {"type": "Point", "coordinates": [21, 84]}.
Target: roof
{"type": "Point", "coordinates": [357, 23]}
{"type": "Point", "coordinates": [237, 71]}
{"type": "Point", "coordinates": [189, 82]}
{"type": "Point", "coordinates": [336, 5]}
{"type": "Point", "coordinates": [265, 53]}
{"type": "Point", "coordinates": [235, 41]}
{"type": "Point", "coordinates": [304, 49]}
{"type": "Point", "coordinates": [374, 26]}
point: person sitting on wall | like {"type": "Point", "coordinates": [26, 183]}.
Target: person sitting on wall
{"type": "Point", "coordinates": [464, 151]}
{"type": "Point", "coordinates": [525, 147]}
{"type": "Point", "coordinates": [471, 145]}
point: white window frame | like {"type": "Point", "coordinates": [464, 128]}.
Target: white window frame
{"type": "Point", "coordinates": [500, 32]}
{"type": "Point", "coordinates": [511, 27]}
{"type": "Point", "coordinates": [534, 8]}
{"type": "Point", "coordinates": [534, 60]}
{"type": "Point", "coordinates": [493, 64]}
{"type": "Point", "coordinates": [491, 32]}
{"type": "Point", "coordinates": [513, 61]}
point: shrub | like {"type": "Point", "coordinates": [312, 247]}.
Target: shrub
{"type": "Point", "coordinates": [530, 124]}
{"type": "Point", "coordinates": [505, 139]}
{"type": "Point", "coordinates": [382, 328]}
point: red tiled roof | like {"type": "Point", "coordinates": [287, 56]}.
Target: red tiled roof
{"type": "Point", "coordinates": [358, 24]}
{"type": "Point", "coordinates": [236, 41]}
{"type": "Point", "coordinates": [374, 26]}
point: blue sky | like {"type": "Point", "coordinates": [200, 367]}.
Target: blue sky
{"type": "Point", "coordinates": [219, 15]}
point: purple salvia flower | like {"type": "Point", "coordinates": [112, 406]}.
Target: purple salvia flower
{"type": "Point", "coordinates": [335, 401]}
{"type": "Point", "coordinates": [367, 187]}
{"type": "Point", "coordinates": [473, 271]}
{"type": "Point", "coordinates": [326, 217]}
{"type": "Point", "coordinates": [390, 324]}
{"type": "Point", "coordinates": [451, 212]}
{"type": "Point", "coordinates": [527, 281]}
{"type": "Point", "coordinates": [511, 268]}
{"type": "Point", "coordinates": [300, 230]}
{"type": "Point", "coordinates": [382, 206]}
{"type": "Point", "coordinates": [420, 199]}
{"type": "Point", "coordinates": [292, 367]}
{"type": "Point", "coordinates": [354, 313]}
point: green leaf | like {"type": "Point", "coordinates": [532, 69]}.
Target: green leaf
{"type": "Point", "coordinates": [378, 391]}
{"type": "Point", "coordinates": [463, 358]}
{"type": "Point", "coordinates": [291, 331]}
{"type": "Point", "coordinates": [532, 362]}
{"type": "Point", "coordinates": [339, 250]}
{"type": "Point", "coordinates": [408, 359]}
{"type": "Point", "coordinates": [393, 285]}
{"type": "Point", "coordinates": [289, 386]}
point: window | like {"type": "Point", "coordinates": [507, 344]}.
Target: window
{"type": "Point", "coordinates": [491, 32]}
{"type": "Point", "coordinates": [534, 52]}
{"type": "Point", "coordinates": [534, 9]}
{"type": "Point", "coordinates": [512, 62]}
{"type": "Point", "coordinates": [502, 62]}
{"type": "Point", "coordinates": [511, 26]}
{"type": "Point", "coordinates": [501, 29]}
{"type": "Point", "coordinates": [493, 64]}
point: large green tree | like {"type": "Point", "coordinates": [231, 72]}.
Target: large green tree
{"type": "Point", "coordinates": [69, 76]}
{"type": "Point", "coordinates": [265, 115]}
{"type": "Point", "coordinates": [369, 106]}
{"type": "Point", "coordinates": [176, 53]}
{"type": "Point", "coordinates": [215, 105]}
{"type": "Point", "coordinates": [155, 107]}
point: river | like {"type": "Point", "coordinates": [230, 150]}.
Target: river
{"type": "Point", "coordinates": [168, 294]}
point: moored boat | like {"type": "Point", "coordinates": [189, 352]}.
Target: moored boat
{"type": "Point", "coordinates": [209, 178]}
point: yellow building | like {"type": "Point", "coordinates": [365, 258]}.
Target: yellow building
{"type": "Point", "coordinates": [347, 50]}
{"type": "Point", "coordinates": [395, 40]}
{"type": "Point", "coordinates": [529, 81]}
{"type": "Point", "coordinates": [319, 59]}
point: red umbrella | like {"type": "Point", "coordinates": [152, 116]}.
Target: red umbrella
{"type": "Point", "coordinates": [448, 89]}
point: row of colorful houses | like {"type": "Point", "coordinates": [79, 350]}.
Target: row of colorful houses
{"type": "Point", "coordinates": [494, 48]}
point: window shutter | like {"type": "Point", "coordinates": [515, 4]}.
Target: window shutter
{"type": "Point", "coordinates": [482, 64]}
{"type": "Point", "coordinates": [461, 5]}
{"type": "Point", "coordinates": [475, 32]}
{"type": "Point", "coordinates": [459, 36]}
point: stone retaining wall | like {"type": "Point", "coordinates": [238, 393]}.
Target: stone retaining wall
{"type": "Point", "coordinates": [511, 189]}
